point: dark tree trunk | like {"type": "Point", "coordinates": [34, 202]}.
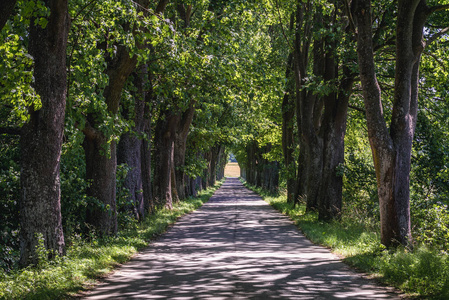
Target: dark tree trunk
{"type": "Point", "coordinates": [308, 109]}
{"type": "Point", "coordinates": [148, 202]}
{"type": "Point", "coordinates": [41, 138]}
{"type": "Point", "coordinates": [288, 114]}
{"type": "Point", "coordinates": [165, 135]}
{"type": "Point", "coordinates": [100, 173]}
{"type": "Point", "coordinates": [222, 161]}
{"type": "Point", "coordinates": [129, 150]}
{"type": "Point", "coordinates": [333, 131]}
{"type": "Point", "coordinates": [251, 164]}
{"type": "Point", "coordinates": [180, 149]}
{"type": "Point", "coordinates": [392, 148]}
{"type": "Point", "coordinates": [206, 172]}
{"type": "Point", "coordinates": [215, 151]}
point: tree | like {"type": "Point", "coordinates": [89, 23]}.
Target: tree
{"type": "Point", "coordinates": [41, 137]}
{"type": "Point", "coordinates": [391, 147]}
{"type": "Point", "coordinates": [324, 80]}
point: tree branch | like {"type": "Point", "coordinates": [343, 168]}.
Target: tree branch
{"type": "Point", "coordinates": [89, 131]}
{"type": "Point", "coordinates": [357, 108]}
{"type": "Point", "coordinates": [434, 37]}
{"type": "Point", "coordinates": [282, 27]}
{"type": "Point", "coordinates": [437, 60]}
{"type": "Point", "coordinates": [438, 8]}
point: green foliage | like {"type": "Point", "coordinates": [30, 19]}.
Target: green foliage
{"type": "Point", "coordinates": [360, 189]}
{"type": "Point", "coordinates": [423, 272]}
{"type": "Point", "coordinates": [125, 205]}
{"type": "Point", "coordinates": [9, 197]}
{"type": "Point", "coordinates": [86, 260]}
{"type": "Point", "coordinates": [74, 201]}
{"type": "Point", "coordinates": [431, 224]}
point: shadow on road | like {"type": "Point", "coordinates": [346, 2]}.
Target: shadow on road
{"type": "Point", "coordinates": [236, 247]}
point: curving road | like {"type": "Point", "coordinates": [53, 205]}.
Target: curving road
{"type": "Point", "coordinates": [236, 247]}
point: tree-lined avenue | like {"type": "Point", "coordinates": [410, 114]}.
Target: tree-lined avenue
{"type": "Point", "coordinates": [236, 247]}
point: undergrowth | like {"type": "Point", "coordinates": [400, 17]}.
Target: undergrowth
{"type": "Point", "coordinates": [86, 261]}
{"type": "Point", "coordinates": [422, 273]}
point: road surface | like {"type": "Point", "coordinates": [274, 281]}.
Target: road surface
{"type": "Point", "coordinates": [236, 247]}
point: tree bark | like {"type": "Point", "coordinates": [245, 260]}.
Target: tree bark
{"type": "Point", "coordinates": [41, 138]}
{"type": "Point", "coordinates": [392, 149]}
{"type": "Point", "coordinates": [130, 147]}
{"type": "Point", "coordinates": [180, 149]}
{"type": "Point", "coordinates": [288, 114]}
{"type": "Point", "coordinates": [148, 202]}
{"type": "Point", "coordinates": [165, 135]}
{"type": "Point", "coordinates": [101, 164]}
{"type": "Point", "coordinates": [308, 112]}
{"type": "Point", "coordinates": [333, 131]}
{"type": "Point", "coordinates": [205, 178]}
{"type": "Point", "coordinates": [212, 176]}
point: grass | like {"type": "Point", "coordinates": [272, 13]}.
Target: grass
{"type": "Point", "coordinates": [85, 262]}
{"type": "Point", "coordinates": [421, 273]}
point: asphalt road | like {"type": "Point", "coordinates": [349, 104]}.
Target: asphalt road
{"type": "Point", "coordinates": [236, 247]}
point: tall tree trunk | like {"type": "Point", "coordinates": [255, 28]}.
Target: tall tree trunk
{"type": "Point", "coordinates": [334, 130]}
{"type": "Point", "coordinates": [148, 202]}
{"type": "Point", "coordinates": [308, 109]}
{"type": "Point", "coordinates": [41, 138]}
{"type": "Point", "coordinates": [222, 161]}
{"type": "Point", "coordinates": [180, 149]}
{"type": "Point", "coordinates": [130, 147]}
{"type": "Point", "coordinates": [165, 135]}
{"type": "Point", "coordinates": [288, 114]}
{"type": "Point", "coordinates": [206, 172]}
{"type": "Point", "coordinates": [392, 148]}
{"type": "Point", "coordinates": [101, 164]}
{"type": "Point", "coordinates": [215, 151]}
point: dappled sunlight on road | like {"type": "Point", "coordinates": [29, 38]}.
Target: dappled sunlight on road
{"type": "Point", "coordinates": [236, 247]}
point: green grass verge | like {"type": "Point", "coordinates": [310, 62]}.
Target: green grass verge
{"type": "Point", "coordinates": [85, 262]}
{"type": "Point", "coordinates": [422, 273]}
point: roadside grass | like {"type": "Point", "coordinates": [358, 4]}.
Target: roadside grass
{"type": "Point", "coordinates": [421, 273]}
{"type": "Point", "coordinates": [87, 261]}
